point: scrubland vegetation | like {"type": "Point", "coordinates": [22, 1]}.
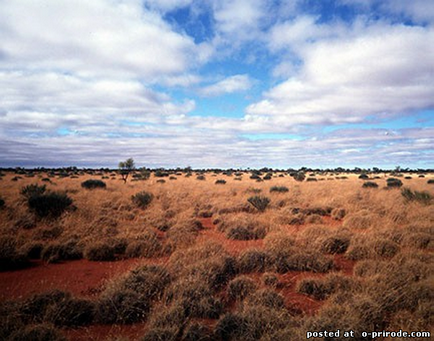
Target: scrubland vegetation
{"type": "Point", "coordinates": [231, 255]}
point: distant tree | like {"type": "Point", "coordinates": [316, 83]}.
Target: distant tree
{"type": "Point", "coordinates": [126, 168]}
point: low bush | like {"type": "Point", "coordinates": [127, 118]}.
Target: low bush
{"type": "Point", "coordinates": [39, 332]}
{"type": "Point", "coordinates": [93, 184]}
{"type": "Point", "coordinates": [338, 213]}
{"type": "Point", "coordinates": [56, 252]}
{"type": "Point", "coordinates": [363, 176]}
{"type": "Point", "coordinates": [231, 326]}
{"type": "Point", "coordinates": [385, 248]}
{"type": "Point", "coordinates": [370, 184]}
{"type": "Point", "coordinates": [197, 332]}
{"type": "Point", "coordinates": [279, 189]}
{"type": "Point", "coordinates": [430, 181]}
{"type": "Point", "coordinates": [32, 250]}
{"type": "Point", "coordinates": [259, 202]}
{"type": "Point", "coordinates": [200, 177]}
{"type": "Point", "coordinates": [335, 245]}
{"type": "Point", "coordinates": [220, 182]}
{"type": "Point", "coordinates": [299, 176]}
{"type": "Point", "coordinates": [142, 199]}
{"type": "Point", "coordinates": [303, 260]}
{"type": "Point", "coordinates": [247, 232]}
{"type": "Point", "coordinates": [253, 260]}
{"type": "Point", "coordinates": [147, 246]}
{"type": "Point", "coordinates": [423, 197]}
{"type": "Point", "coordinates": [267, 298]}
{"type": "Point", "coordinates": [393, 183]}
{"type": "Point", "coordinates": [57, 307]}
{"type": "Point", "coordinates": [10, 256]}
{"type": "Point", "coordinates": [100, 251]}
{"type": "Point", "coordinates": [51, 204]}
{"type": "Point", "coordinates": [269, 279]}
{"type": "Point", "coordinates": [123, 306]}
{"type": "Point", "coordinates": [240, 287]}
{"type": "Point", "coordinates": [129, 298]}
{"type": "Point", "coordinates": [194, 295]}
{"type": "Point", "coordinates": [33, 190]}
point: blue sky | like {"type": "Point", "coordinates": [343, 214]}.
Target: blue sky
{"type": "Point", "coordinates": [230, 83]}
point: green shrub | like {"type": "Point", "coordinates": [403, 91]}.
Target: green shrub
{"type": "Point", "coordinates": [430, 181]}
{"type": "Point", "coordinates": [363, 176]}
{"type": "Point", "coordinates": [393, 183]}
{"type": "Point", "coordinates": [299, 176]}
{"type": "Point", "coordinates": [279, 189]}
{"type": "Point", "coordinates": [220, 182]}
{"type": "Point", "coordinates": [51, 204]}
{"type": "Point", "coordinates": [423, 197]}
{"type": "Point", "coordinates": [259, 202]}
{"type": "Point", "coordinates": [200, 177]}
{"type": "Point", "coordinates": [33, 190]}
{"type": "Point", "coordinates": [93, 183]}
{"type": "Point", "coordinates": [142, 199]}
{"type": "Point", "coordinates": [370, 184]}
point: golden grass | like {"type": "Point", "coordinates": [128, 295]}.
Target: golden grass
{"type": "Point", "coordinates": [237, 280]}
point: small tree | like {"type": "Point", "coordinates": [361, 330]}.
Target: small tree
{"type": "Point", "coordinates": [126, 168]}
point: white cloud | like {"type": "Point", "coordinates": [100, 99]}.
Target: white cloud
{"type": "Point", "coordinates": [230, 84]}
{"type": "Point", "coordinates": [386, 70]}
{"type": "Point", "coordinates": [93, 38]}
{"type": "Point", "coordinates": [167, 5]}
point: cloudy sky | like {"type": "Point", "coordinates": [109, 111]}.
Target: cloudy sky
{"type": "Point", "coordinates": [207, 83]}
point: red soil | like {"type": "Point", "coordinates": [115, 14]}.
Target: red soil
{"type": "Point", "coordinates": [81, 277]}
{"type": "Point", "coordinates": [87, 278]}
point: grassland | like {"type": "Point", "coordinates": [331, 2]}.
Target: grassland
{"type": "Point", "coordinates": [199, 258]}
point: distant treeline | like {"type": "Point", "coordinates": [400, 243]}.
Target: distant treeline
{"type": "Point", "coordinates": [355, 170]}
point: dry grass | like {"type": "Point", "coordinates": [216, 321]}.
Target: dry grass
{"type": "Point", "coordinates": [240, 274]}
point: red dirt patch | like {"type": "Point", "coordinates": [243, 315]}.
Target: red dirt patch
{"type": "Point", "coordinates": [82, 277]}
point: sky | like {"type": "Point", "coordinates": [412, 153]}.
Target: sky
{"type": "Point", "coordinates": [217, 84]}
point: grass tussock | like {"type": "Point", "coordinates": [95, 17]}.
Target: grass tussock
{"type": "Point", "coordinates": [243, 227]}
{"type": "Point", "coordinates": [423, 197]}
{"type": "Point", "coordinates": [129, 298]}
{"type": "Point", "coordinates": [241, 289]}
{"type": "Point", "coordinates": [93, 184]}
